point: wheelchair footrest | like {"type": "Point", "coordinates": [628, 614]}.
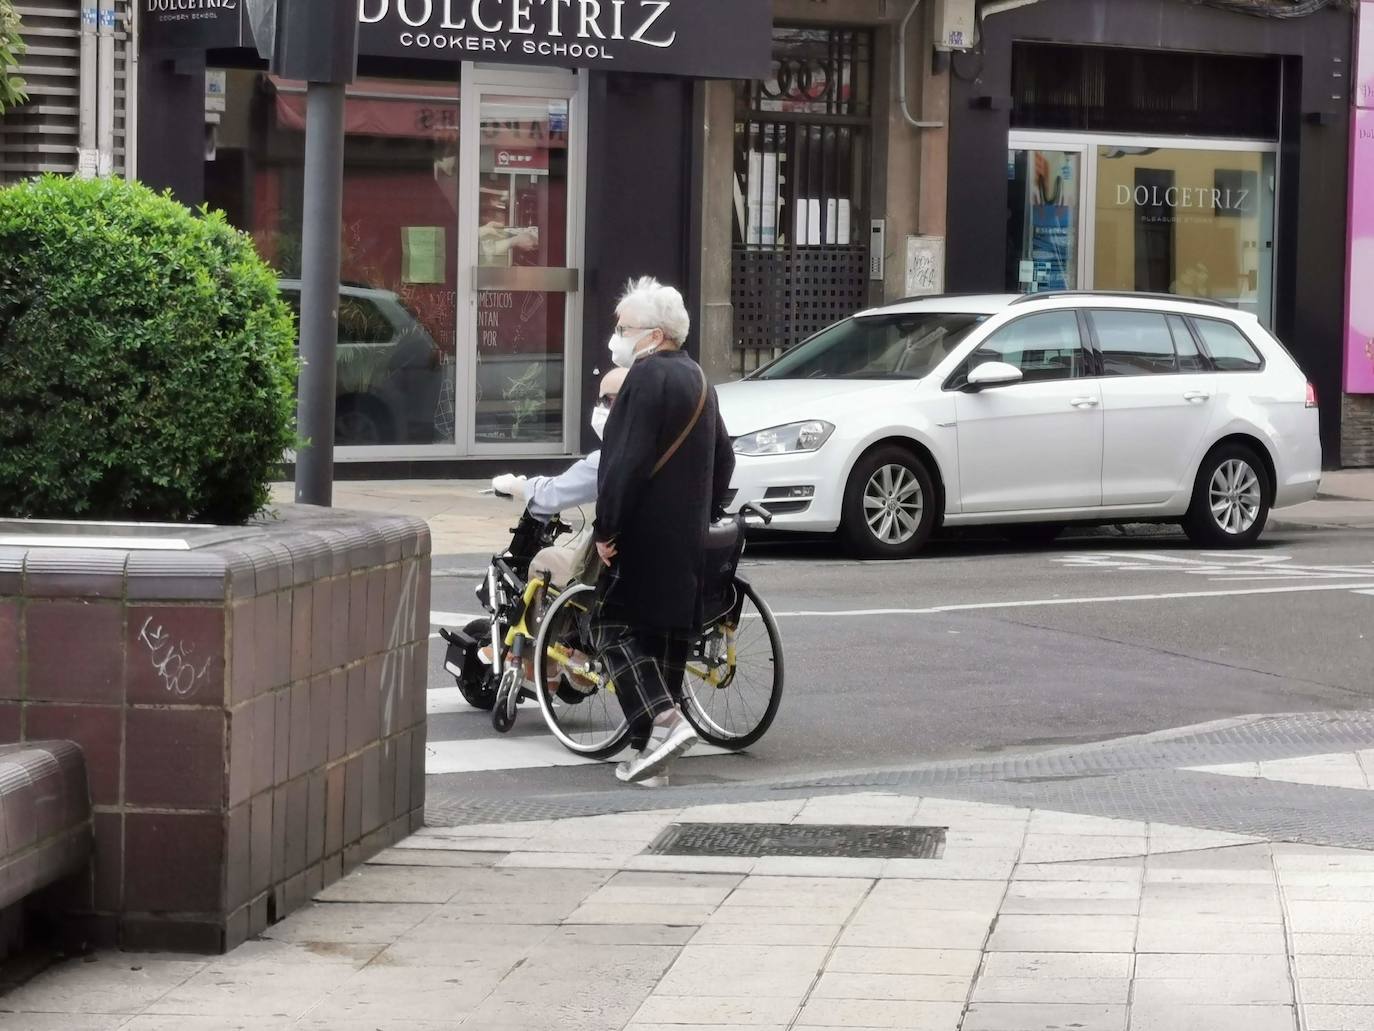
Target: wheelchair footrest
{"type": "Point", "coordinates": [458, 639]}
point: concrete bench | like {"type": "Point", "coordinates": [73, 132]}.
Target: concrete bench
{"type": "Point", "coordinates": [45, 817]}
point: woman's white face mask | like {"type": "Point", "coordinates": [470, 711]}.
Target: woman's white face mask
{"type": "Point", "coordinates": [622, 347]}
{"type": "Point", "coordinates": [599, 416]}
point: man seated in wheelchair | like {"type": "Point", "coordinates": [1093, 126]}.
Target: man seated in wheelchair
{"type": "Point", "coordinates": [547, 496]}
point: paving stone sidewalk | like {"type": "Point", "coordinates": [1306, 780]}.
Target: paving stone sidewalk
{"type": "Point", "coordinates": [1029, 919]}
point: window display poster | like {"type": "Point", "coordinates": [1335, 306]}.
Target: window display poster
{"type": "Point", "coordinates": [762, 203]}
{"type": "Point", "coordinates": [1053, 221]}
{"type": "Point", "coordinates": [422, 254]}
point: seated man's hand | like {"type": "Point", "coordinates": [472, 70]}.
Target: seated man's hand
{"type": "Point", "coordinates": [509, 484]}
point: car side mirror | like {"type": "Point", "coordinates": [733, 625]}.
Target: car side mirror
{"type": "Point", "coordinates": [992, 374]}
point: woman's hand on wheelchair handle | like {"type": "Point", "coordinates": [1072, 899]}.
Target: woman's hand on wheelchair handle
{"type": "Point", "coordinates": [607, 551]}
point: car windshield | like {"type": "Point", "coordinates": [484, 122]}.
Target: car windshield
{"type": "Point", "coordinates": [883, 346]}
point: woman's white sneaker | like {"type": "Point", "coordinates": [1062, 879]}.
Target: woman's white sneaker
{"type": "Point", "coordinates": [667, 741]}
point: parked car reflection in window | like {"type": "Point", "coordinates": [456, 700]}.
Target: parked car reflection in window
{"type": "Point", "coordinates": [389, 369]}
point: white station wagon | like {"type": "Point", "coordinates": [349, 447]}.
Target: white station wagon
{"type": "Point", "coordinates": [1031, 412]}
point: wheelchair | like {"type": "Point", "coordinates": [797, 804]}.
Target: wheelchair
{"type": "Point", "coordinates": [734, 673]}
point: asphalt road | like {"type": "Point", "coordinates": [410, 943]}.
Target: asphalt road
{"type": "Point", "coordinates": [979, 647]}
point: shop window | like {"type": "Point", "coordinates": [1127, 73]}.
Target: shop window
{"type": "Point", "coordinates": [397, 304]}
{"type": "Point", "coordinates": [522, 225]}
{"type": "Point", "coordinates": [1228, 347]}
{"type": "Point", "coordinates": [1196, 222]}
{"type": "Point", "coordinates": [1044, 211]}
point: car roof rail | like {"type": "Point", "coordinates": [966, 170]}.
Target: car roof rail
{"type": "Point", "coordinates": [1129, 294]}
{"type": "Point", "coordinates": [939, 297]}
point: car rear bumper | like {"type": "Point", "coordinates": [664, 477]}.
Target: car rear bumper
{"type": "Point", "coordinates": [1299, 461]}
{"type": "Point", "coordinates": [1297, 490]}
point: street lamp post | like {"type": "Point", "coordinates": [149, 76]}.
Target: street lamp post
{"type": "Point", "coordinates": [315, 40]}
{"type": "Point", "coordinates": [320, 231]}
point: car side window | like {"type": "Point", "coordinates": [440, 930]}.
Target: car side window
{"type": "Point", "coordinates": [1134, 343]}
{"type": "Point", "coordinates": [1190, 359]}
{"type": "Point", "coordinates": [1229, 348]}
{"type": "Point", "coordinates": [1044, 347]}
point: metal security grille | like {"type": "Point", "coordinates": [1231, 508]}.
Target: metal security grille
{"type": "Point", "coordinates": [802, 189]}
{"type": "Point", "coordinates": [799, 839]}
{"type": "Point", "coordinates": [44, 135]}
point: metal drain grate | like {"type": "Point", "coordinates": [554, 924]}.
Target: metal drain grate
{"type": "Point", "coordinates": [794, 839]}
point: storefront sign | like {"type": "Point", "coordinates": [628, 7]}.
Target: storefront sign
{"type": "Point", "coordinates": [1206, 198]}
{"type": "Point", "coordinates": [698, 38]}
{"type": "Point", "coordinates": [1359, 341]}
{"type": "Point", "coordinates": [192, 24]}
{"type": "Point", "coordinates": [510, 159]}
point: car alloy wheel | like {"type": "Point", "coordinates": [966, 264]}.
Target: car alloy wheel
{"type": "Point", "coordinates": [1232, 495]}
{"type": "Point", "coordinates": [1235, 496]}
{"type": "Point", "coordinates": [893, 504]}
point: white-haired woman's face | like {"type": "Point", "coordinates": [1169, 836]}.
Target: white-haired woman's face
{"type": "Point", "coordinates": [633, 336]}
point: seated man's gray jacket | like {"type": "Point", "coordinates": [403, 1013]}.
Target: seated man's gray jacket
{"type": "Point", "coordinates": [549, 495]}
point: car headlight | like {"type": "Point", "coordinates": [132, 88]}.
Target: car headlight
{"type": "Point", "coordinates": [785, 440]}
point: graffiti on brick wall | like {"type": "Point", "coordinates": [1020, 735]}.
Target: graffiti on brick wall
{"type": "Point", "coordinates": [172, 660]}
{"type": "Point", "coordinates": [394, 662]}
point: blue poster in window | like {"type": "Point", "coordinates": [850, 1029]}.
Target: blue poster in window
{"type": "Point", "coordinates": [1051, 245]}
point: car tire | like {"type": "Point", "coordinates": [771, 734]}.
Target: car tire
{"type": "Point", "coordinates": [1031, 534]}
{"type": "Point", "coordinates": [1232, 496]}
{"type": "Point", "coordinates": [889, 490]}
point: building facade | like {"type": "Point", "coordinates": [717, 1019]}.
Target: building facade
{"type": "Point", "coordinates": [81, 113]}
{"type": "Point", "coordinates": [508, 167]}
{"type": "Point", "coordinates": [506, 172]}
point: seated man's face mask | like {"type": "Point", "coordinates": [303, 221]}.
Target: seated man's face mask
{"type": "Point", "coordinates": [601, 413]}
{"type": "Point", "coordinates": [599, 416]}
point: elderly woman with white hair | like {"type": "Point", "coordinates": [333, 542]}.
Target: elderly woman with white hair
{"type": "Point", "coordinates": [665, 469]}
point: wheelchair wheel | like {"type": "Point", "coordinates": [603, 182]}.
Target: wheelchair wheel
{"type": "Point", "coordinates": [579, 705]}
{"type": "Point", "coordinates": [733, 685]}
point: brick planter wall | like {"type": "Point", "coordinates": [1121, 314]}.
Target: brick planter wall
{"type": "Point", "coordinates": [252, 711]}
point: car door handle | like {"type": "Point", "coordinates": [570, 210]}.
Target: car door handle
{"type": "Point", "coordinates": [1196, 395]}
{"type": "Point", "coordinates": [1085, 402]}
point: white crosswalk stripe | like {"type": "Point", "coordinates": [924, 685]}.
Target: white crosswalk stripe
{"type": "Point", "coordinates": [480, 749]}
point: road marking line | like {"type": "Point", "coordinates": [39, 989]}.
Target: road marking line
{"type": "Point", "coordinates": [482, 755]}
{"type": "Point", "coordinates": [442, 700]}
{"type": "Point", "coordinates": [1370, 593]}
{"type": "Point", "coordinates": [1217, 565]}
{"type": "Point", "coordinates": [450, 619]}
{"type": "Point", "coordinates": [1110, 599]}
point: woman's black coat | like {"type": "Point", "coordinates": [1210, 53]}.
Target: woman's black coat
{"type": "Point", "coordinates": [658, 522]}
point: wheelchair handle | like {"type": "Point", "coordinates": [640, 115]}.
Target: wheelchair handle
{"type": "Point", "coordinates": [755, 509]}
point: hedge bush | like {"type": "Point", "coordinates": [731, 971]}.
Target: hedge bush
{"type": "Point", "coordinates": [146, 360]}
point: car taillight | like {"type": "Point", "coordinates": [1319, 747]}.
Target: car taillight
{"type": "Point", "coordinates": [1311, 396]}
